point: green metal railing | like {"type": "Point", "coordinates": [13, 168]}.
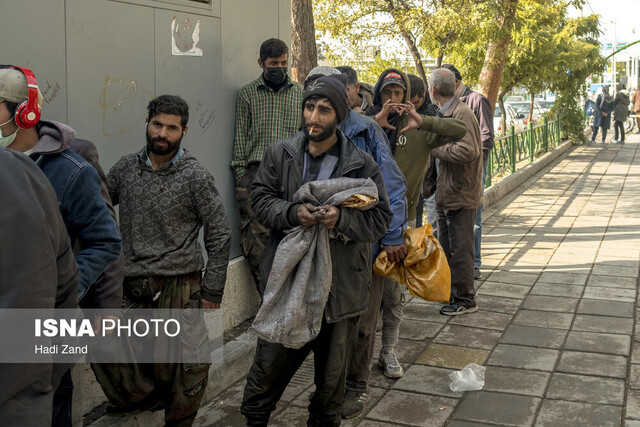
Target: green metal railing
{"type": "Point", "coordinates": [513, 148]}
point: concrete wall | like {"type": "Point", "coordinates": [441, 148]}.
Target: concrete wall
{"type": "Point", "coordinates": [99, 62]}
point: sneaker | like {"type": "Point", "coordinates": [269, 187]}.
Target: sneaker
{"type": "Point", "coordinates": [453, 309]}
{"type": "Point", "coordinates": [613, 141]}
{"type": "Point", "coordinates": [477, 274]}
{"type": "Point", "coordinates": [353, 404]}
{"type": "Point", "coordinates": [390, 365]}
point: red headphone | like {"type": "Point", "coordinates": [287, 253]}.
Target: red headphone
{"type": "Point", "coordinates": [27, 112]}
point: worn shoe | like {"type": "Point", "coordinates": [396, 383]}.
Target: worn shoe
{"type": "Point", "coordinates": [390, 365]}
{"type": "Point", "coordinates": [353, 404]}
{"type": "Point", "coordinates": [453, 309]}
{"type": "Point", "coordinates": [477, 274]}
{"type": "Point", "coordinates": [613, 141]}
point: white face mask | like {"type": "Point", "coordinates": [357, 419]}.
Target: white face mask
{"type": "Point", "coordinates": [6, 141]}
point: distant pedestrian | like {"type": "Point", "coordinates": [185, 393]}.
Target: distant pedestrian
{"type": "Point", "coordinates": [620, 113]}
{"type": "Point", "coordinates": [458, 193]}
{"type": "Point", "coordinates": [267, 110]}
{"type": "Point", "coordinates": [602, 117]}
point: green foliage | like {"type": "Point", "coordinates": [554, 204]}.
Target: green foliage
{"type": "Point", "coordinates": [547, 51]}
{"type": "Point", "coordinates": [578, 55]}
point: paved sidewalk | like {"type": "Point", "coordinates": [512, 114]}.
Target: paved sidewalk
{"type": "Point", "coordinates": [556, 325]}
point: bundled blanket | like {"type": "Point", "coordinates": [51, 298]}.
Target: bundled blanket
{"type": "Point", "coordinates": [300, 279]}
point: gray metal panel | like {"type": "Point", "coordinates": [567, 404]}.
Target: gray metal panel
{"type": "Point", "coordinates": [111, 74]}
{"type": "Point", "coordinates": [197, 80]}
{"type": "Point", "coordinates": [243, 31]}
{"type": "Point", "coordinates": [33, 37]}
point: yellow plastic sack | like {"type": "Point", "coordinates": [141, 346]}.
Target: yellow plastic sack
{"type": "Point", "coordinates": [425, 270]}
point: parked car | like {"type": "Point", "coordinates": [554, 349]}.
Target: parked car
{"type": "Point", "coordinates": [514, 98]}
{"type": "Point", "coordinates": [513, 118]}
{"type": "Point", "coordinates": [544, 104]}
{"type": "Point", "coordinates": [523, 108]}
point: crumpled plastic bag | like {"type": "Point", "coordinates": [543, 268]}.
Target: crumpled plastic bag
{"type": "Point", "coordinates": [425, 269]}
{"type": "Point", "coordinates": [470, 378]}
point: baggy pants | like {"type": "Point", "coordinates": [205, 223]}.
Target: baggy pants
{"type": "Point", "coordinates": [179, 386]}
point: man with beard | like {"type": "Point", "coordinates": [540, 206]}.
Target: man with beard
{"type": "Point", "coordinates": [318, 151]}
{"type": "Point", "coordinates": [165, 197]}
{"type": "Point", "coordinates": [267, 110]}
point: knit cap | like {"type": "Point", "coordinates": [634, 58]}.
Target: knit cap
{"type": "Point", "coordinates": [332, 87]}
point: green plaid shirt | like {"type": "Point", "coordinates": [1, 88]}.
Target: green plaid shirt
{"type": "Point", "coordinates": [262, 117]}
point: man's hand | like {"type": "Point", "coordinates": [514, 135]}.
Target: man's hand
{"type": "Point", "coordinates": [414, 120]}
{"type": "Point", "coordinates": [327, 216]}
{"type": "Point", "coordinates": [208, 305]}
{"type": "Point", "coordinates": [395, 253]}
{"type": "Point", "coordinates": [381, 117]}
{"type": "Point", "coordinates": [306, 216]}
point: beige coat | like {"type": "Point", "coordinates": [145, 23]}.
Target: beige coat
{"type": "Point", "coordinates": [459, 175]}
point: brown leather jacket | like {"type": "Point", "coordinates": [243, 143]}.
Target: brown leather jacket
{"type": "Point", "coordinates": [459, 175]}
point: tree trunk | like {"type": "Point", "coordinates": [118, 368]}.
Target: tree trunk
{"type": "Point", "coordinates": [491, 74]}
{"type": "Point", "coordinates": [408, 39]}
{"type": "Point", "coordinates": [303, 55]}
{"type": "Point", "coordinates": [415, 53]}
{"type": "Point", "coordinates": [503, 115]}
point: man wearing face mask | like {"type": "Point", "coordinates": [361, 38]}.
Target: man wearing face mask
{"type": "Point", "coordinates": [267, 110]}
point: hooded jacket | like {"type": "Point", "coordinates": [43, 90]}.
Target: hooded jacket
{"type": "Point", "coordinates": [413, 157]}
{"type": "Point", "coordinates": [277, 180]}
{"type": "Point", "coordinates": [621, 111]}
{"type": "Point", "coordinates": [37, 270]}
{"type": "Point", "coordinates": [85, 214]}
{"type": "Point", "coordinates": [161, 213]}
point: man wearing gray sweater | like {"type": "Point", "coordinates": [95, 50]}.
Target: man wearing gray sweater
{"type": "Point", "coordinates": [165, 197]}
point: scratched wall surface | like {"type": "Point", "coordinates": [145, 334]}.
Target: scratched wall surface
{"type": "Point", "coordinates": [99, 62]}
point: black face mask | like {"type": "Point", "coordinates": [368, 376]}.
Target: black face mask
{"type": "Point", "coordinates": [276, 75]}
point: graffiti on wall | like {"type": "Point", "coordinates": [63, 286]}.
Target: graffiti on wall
{"type": "Point", "coordinates": [185, 37]}
{"type": "Point", "coordinates": [124, 105]}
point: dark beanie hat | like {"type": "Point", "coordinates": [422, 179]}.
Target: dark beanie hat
{"type": "Point", "coordinates": [334, 88]}
{"type": "Point", "coordinates": [454, 70]}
